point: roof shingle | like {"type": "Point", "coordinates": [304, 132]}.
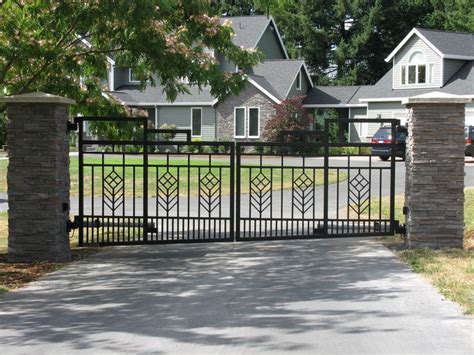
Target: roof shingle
{"type": "Point", "coordinates": [450, 43]}
{"type": "Point", "coordinates": [247, 29]}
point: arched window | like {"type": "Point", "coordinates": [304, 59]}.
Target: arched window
{"type": "Point", "coordinates": [416, 73]}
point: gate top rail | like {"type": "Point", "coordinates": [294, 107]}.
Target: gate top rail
{"type": "Point", "coordinates": [110, 118]}
{"type": "Point", "coordinates": [363, 120]}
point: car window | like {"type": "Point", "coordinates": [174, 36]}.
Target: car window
{"type": "Point", "coordinates": [382, 133]}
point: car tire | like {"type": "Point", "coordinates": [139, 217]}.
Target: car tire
{"type": "Point", "coordinates": [384, 158]}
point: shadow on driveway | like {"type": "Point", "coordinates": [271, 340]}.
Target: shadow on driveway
{"type": "Point", "coordinates": [320, 296]}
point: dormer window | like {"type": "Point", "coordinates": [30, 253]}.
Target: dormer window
{"type": "Point", "coordinates": [132, 77]}
{"type": "Point", "coordinates": [415, 72]}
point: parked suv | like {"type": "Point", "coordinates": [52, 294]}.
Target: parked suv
{"type": "Point", "coordinates": [384, 135]}
{"type": "Point", "coordinates": [469, 137]}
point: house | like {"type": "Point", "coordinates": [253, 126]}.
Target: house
{"type": "Point", "coordinates": [423, 62]}
{"type": "Point", "coordinates": [241, 117]}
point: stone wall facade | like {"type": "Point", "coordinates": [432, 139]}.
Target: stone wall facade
{"type": "Point", "coordinates": [38, 182]}
{"type": "Point", "coordinates": [250, 97]}
{"type": "Point", "coordinates": [434, 193]}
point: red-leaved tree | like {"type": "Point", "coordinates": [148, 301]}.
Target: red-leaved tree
{"type": "Point", "coordinates": [289, 116]}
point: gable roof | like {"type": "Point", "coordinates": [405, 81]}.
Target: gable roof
{"type": "Point", "coordinates": [279, 73]}
{"type": "Point", "coordinates": [449, 45]}
{"type": "Point", "coordinates": [274, 78]}
{"type": "Point", "coordinates": [334, 96]}
{"type": "Point", "coordinates": [249, 30]}
{"type": "Point", "coordinates": [461, 83]}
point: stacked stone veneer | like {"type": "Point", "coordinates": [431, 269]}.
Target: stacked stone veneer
{"type": "Point", "coordinates": [38, 181]}
{"type": "Point", "coordinates": [249, 97]}
{"type": "Point", "coordinates": [434, 191]}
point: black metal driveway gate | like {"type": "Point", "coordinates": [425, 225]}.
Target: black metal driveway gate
{"type": "Point", "coordinates": [149, 190]}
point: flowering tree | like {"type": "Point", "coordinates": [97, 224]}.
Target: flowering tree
{"type": "Point", "coordinates": [289, 116]}
{"type": "Point", "coordinates": [61, 47]}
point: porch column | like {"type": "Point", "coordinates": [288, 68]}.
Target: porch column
{"type": "Point", "coordinates": [38, 177]}
{"type": "Point", "coordinates": [434, 193]}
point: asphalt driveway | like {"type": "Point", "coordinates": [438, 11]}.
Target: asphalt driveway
{"type": "Point", "coordinates": [321, 296]}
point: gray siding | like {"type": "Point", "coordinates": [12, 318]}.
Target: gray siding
{"type": "Point", "coordinates": [224, 64]}
{"type": "Point", "coordinates": [415, 44]}
{"type": "Point", "coordinates": [451, 66]}
{"type": "Point", "coordinates": [181, 117]}
{"type": "Point", "coordinates": [356, 129]}
{"type": "Point", "coordinates": [385, 110]}
{"type": "Point", "coordinates": [305, 85]}
{"type": "Point", "coordinates": [270, 45]}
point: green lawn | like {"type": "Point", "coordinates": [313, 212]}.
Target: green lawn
{"type": "Point", "coordinates": [199, 167]}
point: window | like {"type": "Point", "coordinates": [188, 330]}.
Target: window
{"type": "Point", "coordinates": [239, 122]}
{"type": "Point", "coordinates": [196, 122]}
{"type": "Point", "coordinates": [416, 73]}
{"type": "Point", "coordinates": [254, 122]}
{"type": "Point", "coordinates": [412, 74]}
{"type": "Point", "coordinates": [132, 77]}
{"type": "Point", "coordinates": [298, 81]}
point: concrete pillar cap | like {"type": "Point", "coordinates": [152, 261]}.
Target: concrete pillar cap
{"type": "Point", "coordinates": [37, 97]}
{"type": "Point", "coordinates": [437, 97]}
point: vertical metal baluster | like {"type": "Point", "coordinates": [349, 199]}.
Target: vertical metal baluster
{"type": "Point", "coordinates": [292, 199]}
{"type": "Point", "coordinates": [392, 176]}
{"type": "Point", "coordinates": [177, 205]}
{"type": "Point", "coordinates": [157, 199]}
{"type": "Point", "coordinates": [234, 212]}
{"type": "Point", "coordinates": [326, 178]}
{"type": "Point", "coordinates": [81, 182]}
{"type": "Point", "coordinates": [189, 193]}
{"type": "Point", "coordinates": [145, 179]}
{"type": "Point", "coordinates": [199, 202]}
{"type": "Point", "coordinates": [348, 185]}
{"type": "Point", "coordinates": [370, 190]}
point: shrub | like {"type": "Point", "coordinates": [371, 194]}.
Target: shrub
{"type": "Point", "coordinates": [289, 116]}
{"type": "Point", "coordinates": [167, 136]}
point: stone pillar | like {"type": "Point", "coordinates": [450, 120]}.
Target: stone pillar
{"type": "Point", "coordinates": [38, 177]}
{"type": "Point", "coordinates": [434, 193]}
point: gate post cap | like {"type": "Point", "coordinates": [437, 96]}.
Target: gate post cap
{"type": "Point", "coordinates": [437, 97]}
{"type": "Point", "coordinates": [37, 97]}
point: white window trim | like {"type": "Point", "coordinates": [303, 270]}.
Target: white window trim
{"type": "Point", "coordinates": [430, 71]}
{"type": "Point", "coordinates": [130, 76]}
{"type": "Point", "coordinates": [407, 66]}
{"type": "Point", "coordinates": [248, 118]}
{"type": "Point", "coordinates": [191, 125]}
{"type": "Point", "coordinates": [298, 81]}
{"type": "Point", "coordinates": [235, 121]}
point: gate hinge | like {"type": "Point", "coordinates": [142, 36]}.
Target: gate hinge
{"type": "Point", "coordinates": [72, 126]}
{"type": "Point", "coordinates": [74, 224]}
{"type": "Point", "coordinates": [401, 229]}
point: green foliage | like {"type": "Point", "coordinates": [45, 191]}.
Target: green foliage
{"type": "Point", "coordinates": [167, 136]}
{"type": "Point", "coordinates": [345, 42]}
{"type": "Point", "coordinates": [289, 116]}
{"type": "Point", "coordinates": [320, 116]}
{"type": "Point", "coordinates": [60, 47]}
